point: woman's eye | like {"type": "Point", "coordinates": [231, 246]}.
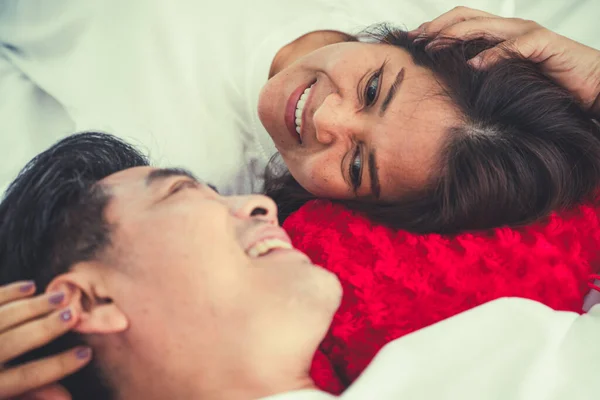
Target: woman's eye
{"type": "Point", "coordinates": [356, 169]}
{"type": "Point", "coordinates": [372, 89]}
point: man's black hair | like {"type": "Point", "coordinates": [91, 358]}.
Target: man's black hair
{"type": "Point", "coordinates": [52, 217]}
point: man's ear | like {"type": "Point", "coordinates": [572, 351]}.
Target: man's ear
{"type": "Point", "coordinates": [89, 298]}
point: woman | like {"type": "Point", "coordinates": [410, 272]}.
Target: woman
{"type": "Point", "coordinates": [475, 138]}
{"type": "Point", "coordinates": [563, 60]}
{"type": "Point", "coordinates": [417, 157]}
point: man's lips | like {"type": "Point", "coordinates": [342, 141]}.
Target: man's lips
{"type": "Point", "coordinates": [270, 232]}
{"type": "Point", "coordinates": [290, 112]}
{"type": "Point", "coordinates": [271, 241]}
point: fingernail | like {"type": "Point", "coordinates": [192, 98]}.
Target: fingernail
{"type": "Point", "coordinates": [66, 315]}
{"type": "Point", "coordinates": [83, 352]}
{"type": "Point", "coordinates": [476, 61]}
{"type": "Point", "coordinates": [420, 38]}
{"type": "Point", "coordinates": [56, 298]}
{"type": "Point", "coordinates": [431, 44]}
{"type": "Point", "coordinates": [27, 286]}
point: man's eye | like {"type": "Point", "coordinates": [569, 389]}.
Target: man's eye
{"type": "Point", "coordinates": [185, 184]}
{"type": "Point", "coordinates": [372, 89]}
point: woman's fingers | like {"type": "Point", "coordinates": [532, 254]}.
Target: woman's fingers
{"type": "Point", "coordinates": [16, 291]}
{"type": "Point", "coordinates": [34, 334]}
{"type": "Point", "coordinates": [572, 65]}
{"type": "Point", "coordinates": [527, 38]}
{"type": "Point", "coordinates": [27, 323]}
{"type": "Point", "coordinates": [21, 311]}
{"type": "Point", "coordinates": [24, 378]}
{"type": "Point", "coordinates": [532, 46]}
{"type": "Point", "coordinates": [452, 17]}
{"type": "Point", "coordinates": [493, 28]}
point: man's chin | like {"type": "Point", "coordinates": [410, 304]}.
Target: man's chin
{"type": "Point", "coordinates": [337, 290]}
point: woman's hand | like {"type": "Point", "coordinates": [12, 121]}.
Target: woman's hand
{"type": "Point", "coordinates": [27, 323]}
{"type": "Point", "coordinates": [572, 65]}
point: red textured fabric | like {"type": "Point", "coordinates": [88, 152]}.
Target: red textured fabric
{"type": "Point", "coordinates": [323, 374]}
{"type": "Point", "coordinates": [396, 282]}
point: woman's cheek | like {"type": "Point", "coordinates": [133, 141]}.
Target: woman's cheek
{"type": "Point", "coordinates": [323, 181]}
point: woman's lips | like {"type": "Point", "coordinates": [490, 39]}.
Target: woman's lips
{"type": "Point", "coordinates": [290, 112]}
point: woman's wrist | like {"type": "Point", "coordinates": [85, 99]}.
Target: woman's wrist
{"type": "Point", "coordinates": [595, 107]}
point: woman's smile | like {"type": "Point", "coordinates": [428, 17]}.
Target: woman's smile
{"type": "Point", "coordinates": [294, 108]}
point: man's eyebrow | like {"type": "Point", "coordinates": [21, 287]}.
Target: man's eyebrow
{"type": "Point", "coordinates": [164, 173]}
{"type": "Point", "coordinates": [375, 186]}
{"type": "Point", "coordinates": [393, 90]}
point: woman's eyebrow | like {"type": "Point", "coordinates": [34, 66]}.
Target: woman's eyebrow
{"type": "Point", "coordinates": [393, 90]}
{"type": "Point", "coordinates": [374, 177]}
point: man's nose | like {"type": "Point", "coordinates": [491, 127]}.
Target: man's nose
{"type": "Point", "coordinates": [254, 206]}
{"type": "Point", "coordinates": [333, 122]}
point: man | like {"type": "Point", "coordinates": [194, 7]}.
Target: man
{"type": "Point", "coordinates": [184, 294]}
{"type": "Point", "coordinates": [168, 278]}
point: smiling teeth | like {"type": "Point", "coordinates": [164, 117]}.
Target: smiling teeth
{"type": "Point", "coordinates": [264, 246]}
{"type": "Point", "coordinates": [300, 107]}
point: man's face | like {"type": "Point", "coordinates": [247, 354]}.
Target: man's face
{"type": "Point", "coordinates": [186, 267]}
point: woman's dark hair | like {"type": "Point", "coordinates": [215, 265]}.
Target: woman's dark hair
{"type": "Point", "coordinates": [51, 217]}
{"type": "Point", "coordinates": [523, 148]}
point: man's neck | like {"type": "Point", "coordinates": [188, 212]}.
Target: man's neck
{"type": "Point", "coordinates": [232, 388]}
{"type": "Point", "coordinates": [264, 391]}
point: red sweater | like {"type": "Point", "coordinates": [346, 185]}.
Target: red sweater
{"type": "Point", "coordinates": [396, 282]}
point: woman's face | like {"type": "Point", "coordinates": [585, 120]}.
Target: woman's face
{"type": "Point", "coordinates": [370, 126]}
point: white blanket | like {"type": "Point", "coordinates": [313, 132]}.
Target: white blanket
{"type": "Point", "coordinates": [174, 76]}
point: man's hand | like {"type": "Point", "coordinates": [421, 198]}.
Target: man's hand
{"type": "Point", "coordinates": [27, 323]}
{"type": "Point", "coordinates": [572, 65]}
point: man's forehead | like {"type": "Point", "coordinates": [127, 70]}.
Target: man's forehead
{"type": "Point", "coordinates": [127, 176]}
{"type": "Point", "coordinates": [144, 177]}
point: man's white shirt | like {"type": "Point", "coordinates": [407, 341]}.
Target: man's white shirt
{"type": "Point", "coordinates": [508, 349]}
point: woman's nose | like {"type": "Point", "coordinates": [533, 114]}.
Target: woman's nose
{"type": "Point", "coordinates": [254, 206]}
{"type": "Point", "coordinates": [332, 122]}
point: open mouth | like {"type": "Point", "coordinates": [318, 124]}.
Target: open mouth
{"type": "Point", "coordinates": [266, 246]}
{"type": "Point", "coordinates": [294, 115]}
{"type": "Point", "coordinates": [300, 110]}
